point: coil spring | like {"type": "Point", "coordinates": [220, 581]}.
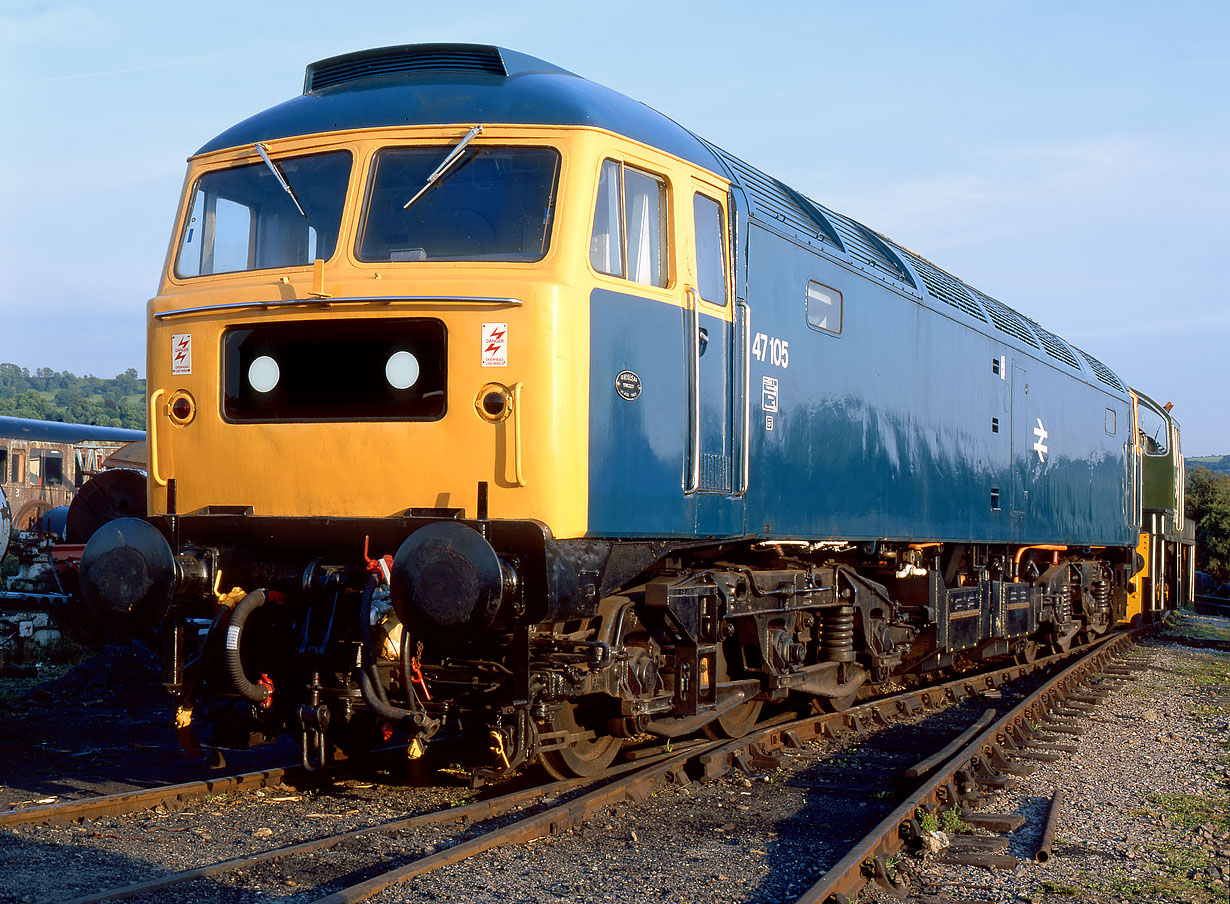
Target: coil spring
{"type": "Point", "coordinates": [1100, 591]}
{"type": "Point", "coordinates": [1065, 603]}
{"type": "Point", "coordinates": [837, 634]}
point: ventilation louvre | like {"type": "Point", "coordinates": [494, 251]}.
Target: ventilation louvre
{"type": "Point", "coordinates": [866, 248]}
{"type": "Point", "coordinates": [775, 204]}
{"type": "Point", "coordinates": [1007, 320]}
{"type": "Point", "coordinates": [393, 60]}
{"type": "Point", "coordinates": [1055, 347]}
{"type": "Point", "coordinates": [946, 288]}
{"type": "Point", "coordinates": [1103, 372]}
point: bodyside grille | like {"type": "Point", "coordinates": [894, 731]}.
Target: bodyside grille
{"type": "Point", "coordinates": [1055, 347]}
{"type": "Point", "coordinates": [1007, 320]}
{"type": "Point", "coordinates": [946, 289]}
{"type": "Point", "coordinates": [1104, 373]}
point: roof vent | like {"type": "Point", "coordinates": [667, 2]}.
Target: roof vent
{"type": "Point", "coordinates": [409, 58]}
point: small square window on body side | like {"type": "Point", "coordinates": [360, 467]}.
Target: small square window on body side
{"type": "Point", "coordinates": [824, 308]}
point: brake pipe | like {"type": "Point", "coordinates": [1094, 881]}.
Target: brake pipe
{"type": "Point", "coordinates": [260, 693]}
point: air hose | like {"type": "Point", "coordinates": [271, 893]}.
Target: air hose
{"type": "Point", "coordinates": [256, 693]}
{"type": "Point", "coordinates": [369, 682]}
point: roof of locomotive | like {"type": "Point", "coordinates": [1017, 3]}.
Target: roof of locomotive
{"type": "Point", "coordinates": [422, 84]}
{"type": "Point", "coordinates": [429, 84]}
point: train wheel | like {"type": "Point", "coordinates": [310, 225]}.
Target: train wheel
{"type": "Point", "coordinates": [834, 704]}
{"type": "Point", "coordinates": [580, 759]}
{"type": "Point", "coordinates": [1028, 653]}
{"type": "Point", "coordinates": [734, 723]}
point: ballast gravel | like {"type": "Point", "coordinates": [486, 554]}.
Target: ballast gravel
{"type": "Point", "coordinates": [1147, 819]}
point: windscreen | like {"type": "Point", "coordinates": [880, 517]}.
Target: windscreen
{"type": "Point", "coordinates": [493, 204]}
{"type": "Point", "coordinates": [244, 219]}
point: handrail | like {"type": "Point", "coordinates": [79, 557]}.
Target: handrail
{"type": "Point", "coordinates": [516, 416]}
{"type": "Point", "coordinates": [746, 438]}
{"type": "Point", "coordinates": [692, 483]}
{"type": "Point", "coordinates": [326, 302]}
{"type": "Point", "coordinates": [153, 437]}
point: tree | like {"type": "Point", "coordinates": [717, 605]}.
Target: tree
{"type": "Point", "coordinates": [62, 396]}
{"type": "Point", "coordinates": [1208, 504]}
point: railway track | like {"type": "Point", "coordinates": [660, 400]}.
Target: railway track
{"type": "Point", "coordinates": [1032, 731]}
{"type": "Point", "coordinates": [168, 796]}
{"type": "Point", "coordinates": [531, 813]}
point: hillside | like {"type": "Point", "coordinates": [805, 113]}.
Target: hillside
{"type": "Point", "coordinates": [1219, 463]}
{"type": "Point", "coordinates": [62, 396]}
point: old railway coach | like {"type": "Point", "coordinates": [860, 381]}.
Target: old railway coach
{"type": "Point", "coordinates": [487, 402]}
{"type": "Point", "coordinates": [44, 463]}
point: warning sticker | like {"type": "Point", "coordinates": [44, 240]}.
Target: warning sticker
{"type": "Point", "coordinates": [181, 353]}
{"type": "Point", "coordinates": [495, 345]}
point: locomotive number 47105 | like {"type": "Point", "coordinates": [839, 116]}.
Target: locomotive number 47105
{"type": "Point", "coordinates": [777, 351]}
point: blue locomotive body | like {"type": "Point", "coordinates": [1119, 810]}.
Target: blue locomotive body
{"type": "Point", "coordinates": [922, 410]}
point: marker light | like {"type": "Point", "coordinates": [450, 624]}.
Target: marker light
{"type": "Point", "coordinates": [401, 370]}
{"type": "Point", "coordinates": [263, 374]}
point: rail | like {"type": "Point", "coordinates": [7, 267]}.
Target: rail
{"type": "Point", "coordinates": [145, 798]}
{"type": "Point", "coordinates": [955, 784]}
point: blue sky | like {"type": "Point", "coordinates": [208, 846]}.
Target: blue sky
{"type": "Point", "coordinates": [1070, 159]}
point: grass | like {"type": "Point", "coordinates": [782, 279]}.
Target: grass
{"type": "Point", "coordinates": [949, 820]}
{"type": "Point", "coordinates": [1191, 810]}
{"type": "Point", "coordinates": [1170, 885]}
{"type": "Point", "coordinates": [952, 823]}
{"type": "Point", "coordinates": [1185, 626]}
{"type": "Point", "coordinates": [1061, 890]}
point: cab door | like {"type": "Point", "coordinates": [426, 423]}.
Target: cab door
{"type": "Point", "coordinates": [713, 337]}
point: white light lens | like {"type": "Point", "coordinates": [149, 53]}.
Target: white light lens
{"type": "Point", "coordinates": [401, 370]}
{"type": "Point", "coordinates": [263, 374]}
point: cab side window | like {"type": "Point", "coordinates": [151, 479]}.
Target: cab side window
{"type": "Point", "coordinates": [629, 236]}
{"type": "Point", "coordinates": [18, 471]}
{"type": "Point", "coordinates": [4, 465]}
{"type": "Point", "coordinates": [1153, 430]}
{"type": "Point", "coordinates": [710, 250]}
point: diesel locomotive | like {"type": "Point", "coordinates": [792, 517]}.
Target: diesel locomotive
{"type": "Point", "coordinates": [486, 402]}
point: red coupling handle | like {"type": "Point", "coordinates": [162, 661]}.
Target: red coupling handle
{"type": "Point", "coordinates": [267, 683]}
{"type": "Point", "coordinates": [382, 567]}
{"type": "Point", "coordinates": [419, 679]}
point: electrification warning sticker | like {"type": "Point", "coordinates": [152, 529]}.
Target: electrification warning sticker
{"type": "Point", "coordinates": [181, 353]}
{"type": "Point", "coordinates": [495, 345]}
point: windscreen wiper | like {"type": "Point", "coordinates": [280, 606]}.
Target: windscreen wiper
{"type": "Point", "coordinates": [447, 164]}
{"type": "Point", "coordinates": [273, 167]}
